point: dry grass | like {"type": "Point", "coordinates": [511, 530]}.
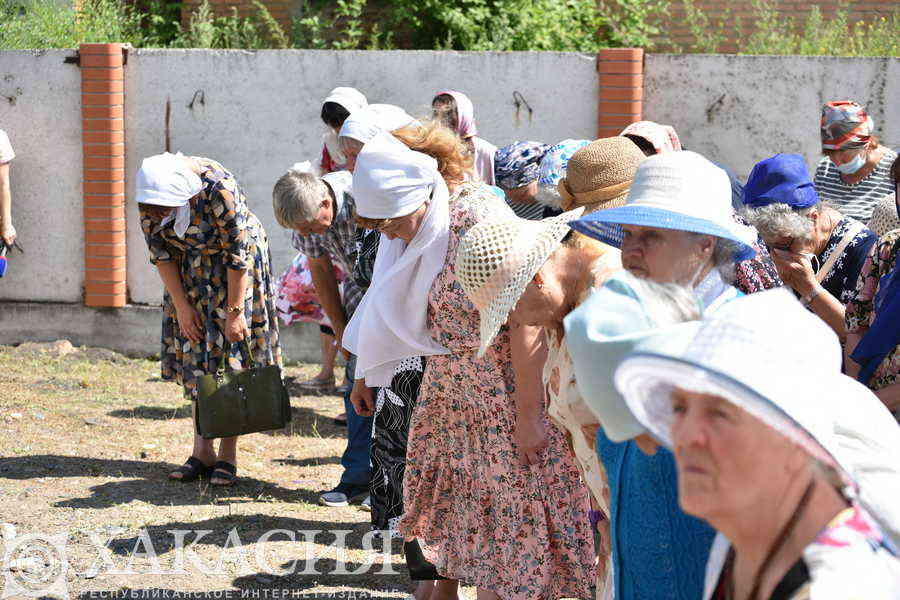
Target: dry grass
{"type": "Point", "coordinates": [86, 443]}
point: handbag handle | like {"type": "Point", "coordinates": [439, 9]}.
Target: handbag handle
{"type": "Point", "coordinates": [225, 365]}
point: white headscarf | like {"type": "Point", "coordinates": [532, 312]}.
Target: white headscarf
{"type": "Point", "coordinates": [167, 180]}
{"type": "Point", "coordinates": [390, 323]}
{"type": "Point", "coordinates": [350, 98]}
{"type": "Point", "coordinates": [365, 124]}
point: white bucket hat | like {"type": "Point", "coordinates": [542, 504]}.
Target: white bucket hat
{"type": "Point", "coordinates": [497, 259]}
{"type": "Point", "coordinates": [772, 358]}
{"type": "Point", "coordinates": [676, 190]}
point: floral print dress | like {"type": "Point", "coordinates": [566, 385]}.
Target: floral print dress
{"type": "Point", "coordinates": [223, 234]}
{"type": "Point", "coordinates": [860, 311]}
{"type": "Point", "coordinates": [520, 531]}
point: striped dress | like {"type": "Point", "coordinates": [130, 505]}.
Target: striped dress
{"type": "Point", "coordinates": [857, 200]}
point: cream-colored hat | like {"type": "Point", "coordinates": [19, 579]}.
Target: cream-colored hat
{"type": "Point", "coordinates": [600, 174]}
{"type": "Point", "coordinates": [497, 259]}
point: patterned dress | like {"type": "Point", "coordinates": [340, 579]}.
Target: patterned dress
{"type": "Point", "coordinates": [860, 312]}
{"type": "Point", "coordinates": [484, 519]}
{"type": "Point", "coordinates": [841, 281]}
{"type": "Point", "coordinates": [223, 234]}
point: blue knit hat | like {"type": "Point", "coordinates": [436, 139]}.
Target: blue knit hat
{"type": "Point", "coordinates": [782, 179]}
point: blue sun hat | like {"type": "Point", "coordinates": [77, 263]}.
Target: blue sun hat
{"type": "Point", "coordinates": [675, 190]}
{"type": "Point", "coordinates": [780, 179]}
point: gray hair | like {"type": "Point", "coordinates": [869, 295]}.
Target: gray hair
{"type": "Point", "coordinates": [666, 303]}
{"type": "Point", "coordinates": [780, 220]}
{"type": "Point", "coordinates": [297, 198]}
{"type": "Point", "coordinates": [723, 255]}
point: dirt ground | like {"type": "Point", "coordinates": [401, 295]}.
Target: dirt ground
{"type": "Point", "coordinates": [86, 441]}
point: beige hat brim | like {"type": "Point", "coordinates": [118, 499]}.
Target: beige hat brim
{"type": "Point", "coordinates": [545, 243]}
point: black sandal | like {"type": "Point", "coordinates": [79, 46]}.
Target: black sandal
{"type": "Point", "coordinates": [417, 565]}
{"type": "Point", "coordinates": [191, 470]}
{"type": "Point", "coordinates": [223, 470]}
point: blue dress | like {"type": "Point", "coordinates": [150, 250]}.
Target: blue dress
{"type": "Point", "coordinates": [658, 551]}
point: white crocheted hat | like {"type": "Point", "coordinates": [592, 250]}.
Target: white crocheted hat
{"type": "Point", "coordinates": [497, 259]}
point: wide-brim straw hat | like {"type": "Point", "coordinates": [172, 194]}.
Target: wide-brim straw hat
{"type": "Point", "coordinates": [599, 175]}
{"type": "Point", "coordinates": [497, 259]}
{"type": "Point", "coordinates": [675, 190]}
{"type": "Point", "coordinates": [772, 358]}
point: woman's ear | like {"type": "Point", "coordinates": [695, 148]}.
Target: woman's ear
{"type": "Point", "coordinates": [538, 280]}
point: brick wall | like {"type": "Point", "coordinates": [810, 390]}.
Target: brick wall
{"type": "Point", "coordinates": [677, 30]}
{"type": "Point", "coordinates": [281, 10]}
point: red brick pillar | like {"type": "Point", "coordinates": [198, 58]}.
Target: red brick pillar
{"type": "Point", "coordinates": [103, 141]}
{"type": "Point", "coordinates": [621, 89]}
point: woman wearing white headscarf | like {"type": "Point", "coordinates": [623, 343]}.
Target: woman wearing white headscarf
{"type": "Point", "coordinates": [363, 125]}
{"type": "Point", "coordinates": [212, 255]}
{"type": "Point", "coordinates": [340, 104]}
{"type": "Point", "coordinates": [491, 508]}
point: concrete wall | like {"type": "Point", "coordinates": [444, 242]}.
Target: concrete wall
{"type": "Point", "coordinates": [133, 330]}
{"type": "Point", "coordinates": [740, 109]}
{"type": "Point", "coordinates": [261, 111]}
{"type": "Point", "coordinates": [259, 115]}
{"type": "Point", "coordinates": [40, 109]}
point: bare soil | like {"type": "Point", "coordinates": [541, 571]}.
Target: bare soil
{"type": "Point", "coordinates": [87, 438]}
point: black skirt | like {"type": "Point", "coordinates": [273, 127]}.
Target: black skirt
{"type": "Point", "coordinates": [394, 408]}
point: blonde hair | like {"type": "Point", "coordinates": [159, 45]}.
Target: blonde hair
{"type": "Point", "coordinates": [297, 197]}
{"type": "Point", "coordinates": [432, 137]}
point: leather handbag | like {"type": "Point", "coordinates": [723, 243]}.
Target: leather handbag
{"type": "Point", "coordinates": [231, 403]}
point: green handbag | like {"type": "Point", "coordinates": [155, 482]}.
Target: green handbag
{"type": "Point", "coordinates": [231, 403]}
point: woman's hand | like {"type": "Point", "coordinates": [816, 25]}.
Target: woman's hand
{"type": "Point", "coordinates": [189, 321]}
{"type": "Point", "coordinates": [362, 398]}
{"type": "Point", "coordinates": [236, 328]}
{"type": "Point", "coordinates": [795, 270]}
{"type": "Point", "coordinates": [8, 234]}
{"type": "Point", "coordinates": [531, 439]}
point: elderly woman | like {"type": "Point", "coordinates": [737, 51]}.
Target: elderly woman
{"type": "Point", "coordinates": [818, 251]}
{"type": "Point", "coordinates": [363, 125]}
{"type": "Point", "coordinates": [554, 273]}
{"type": "Point", "coordinates": [645, 522]}
{"type": "Point", "coordinates": [212, 255]}
{"type": "Point", "coordinates": [527, 266]}
{"type": "Point", "coordinates": [554, 165]}
{"type": "Point", "coordinates": [475, 435]}
{"type": "Point", "coordinates": [800, 485]}
{"type": "Point", "coordinates": [872, 323]}
{"type": "Point", "coordinates": [854, 174]}
{"type": "Point", "coordinates": [677, 227]}
{"type": "Point", "coordinates": [517, 169]}
{"type": "Point", "coordinates": [457, 113]}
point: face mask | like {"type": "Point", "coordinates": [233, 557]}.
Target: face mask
{"type": "Point", "coordinates": [852, 166]}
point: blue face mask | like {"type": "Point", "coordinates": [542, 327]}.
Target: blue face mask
{"type": "Point", "coordinates": [852, 166]}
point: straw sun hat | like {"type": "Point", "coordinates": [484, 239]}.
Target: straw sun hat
{"type": "Point", "coordinates": [599, 175]}
{"type": "Point", "coordinates": [497, 259]}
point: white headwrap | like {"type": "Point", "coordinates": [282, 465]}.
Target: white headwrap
{"type": "Point", "coordinates": [350, 98]}
{"type": "Point", "coordinates": [390, 323]}
{"type": "Point", "coordinates": [167, 180]}
{"type": "Point", "coordinates": [365, 124]}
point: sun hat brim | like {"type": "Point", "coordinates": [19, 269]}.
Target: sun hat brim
{"type": "Point", "coordinates": [606, 225]}
{"type": "Point", "coordinates": [646, 379]}
{"type": "Point", "coordinates": [862, 456]}
{"type": "Point", "coordinates": [495, 315]}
